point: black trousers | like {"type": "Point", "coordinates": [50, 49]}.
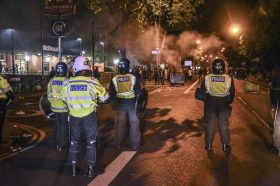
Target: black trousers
{"type": "Point", "coordinates": [61, 128]}
{"type": "Point", "coordinates": [89, 124]}
{"type": "Point", "coordinates": [216, 110]}
{"type": "Point", "coordinates": [3, 108]}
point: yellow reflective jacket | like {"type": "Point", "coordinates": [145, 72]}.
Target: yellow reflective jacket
{"type": "Point", "coordinates": [81, 94]}
{"type": "Point", "coordinates": [124, 84]}
{"type": "Point", "coordinates": [218, 85]}
{"type": "Point", "coordinates": [4, 88]}
{"type": "Point", "coordinates": [54, 94]}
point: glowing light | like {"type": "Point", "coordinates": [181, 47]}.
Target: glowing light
{"type": "Point", "coordinates": [235, 30]}
{"type": "Point", "coordinates": [48, 59]}
{"type": "Point", "coordinates": [79, 39]}
{"type": "Point", "coordinates": [116, 61]}
{"type": "Point", "coordinates": [27, 58]}
{"type": "Point", "coordinates": [198, 42]}
{"type": "Point", "coordinates": [102, 43]}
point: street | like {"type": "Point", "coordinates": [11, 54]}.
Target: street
{"type": "Point", "coordinates": [173, 146]}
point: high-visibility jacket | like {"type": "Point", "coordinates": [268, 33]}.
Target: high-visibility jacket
{"type": "Point", "coordinates": [4, 88]}
{"type": "Point", "coordinates": [124, 84]}
{"type": "Point", "coordinates": [218, 85]}
{"type": "Point", "coordinates": [54, 94]}
{"type": "Point", "coordinates": [81, 94]}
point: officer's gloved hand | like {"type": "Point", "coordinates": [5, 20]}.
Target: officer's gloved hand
{"type": "Point", "coordinates": [230, 99]}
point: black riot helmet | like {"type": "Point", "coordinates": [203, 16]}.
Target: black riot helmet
{"type": "Point", "coordinates": [61, 69]}
{"type": "Point", "coordinates": [123, 66]}
{"type": "Point", "coordinates": [218, 66]}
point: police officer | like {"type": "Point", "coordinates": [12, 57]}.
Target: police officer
{"type": "Point", "coordinates": [6, 94]}
{"type": "Point", "coordinates": [59, 108]}
{"type": "Point", "coordinates": [220, 93]}
{"type": "Point", "coordinates": [274, 100]}
{"type": "Point", "coordinates": [124, 89]}
{"type": "Point", "coordinates": [81, 93]}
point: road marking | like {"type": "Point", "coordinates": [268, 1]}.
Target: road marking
{"type": "Point", "coordinates": [264, 123]}
{"type": "Point", "coordinates": [165, 107]}
{"type": "Point", "coordinates": [37, 139]}
{"type": "Point", "coordinates": [155, 91]}
{"type": "Point", "coordinates": [242, 100]}
{"type": "Point", "coordinates": [112, 170]}
{"type": "Point", "coordinates": [191, 87]}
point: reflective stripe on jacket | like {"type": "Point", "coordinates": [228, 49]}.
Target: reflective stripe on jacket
{"type": "Point", "coordinates": [4, 88]}
{"type": "Point", "coordinates": [124, 84]}
{"type": "Point", "coordinates": [218, 85]}
{"type": "Point", "coordinates": [81, 94]}
{"type": "Point", "coordinates": [54, 94]}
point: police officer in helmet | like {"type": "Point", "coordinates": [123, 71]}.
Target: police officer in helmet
{"type": "Point", "coordinates": [124, 89]}
{"type": "Point", "coordinates": [59, 108]}
{"type": "Point", "coordinates": [6, 94]}
{"type": "Point", "coordinates": [81, 93]}
{"type": "Point", "coordinates": [220, 92]}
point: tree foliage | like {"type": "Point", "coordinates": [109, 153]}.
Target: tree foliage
{"type": "Point", "coordinates": [265, 32]}
{"type": "Point", "coordinates": [173, 15]}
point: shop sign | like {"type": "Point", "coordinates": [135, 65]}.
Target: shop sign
{"type": "Point", "coordinates": [59, 7]}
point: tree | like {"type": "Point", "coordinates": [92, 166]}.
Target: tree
{"type": "Point", "coordinates": [174, 15]}
{"type": "Point", "coordinates": [265, 33]}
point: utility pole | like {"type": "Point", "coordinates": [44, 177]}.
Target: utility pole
{"type": "Point", "coordinates": [13, 57]}
{"type": "Point", "coordinates": [92, 42]}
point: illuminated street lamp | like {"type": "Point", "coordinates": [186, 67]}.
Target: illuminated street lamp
{"type": "Point", "coordinates": [103, 44]}
{"type": "Point", "coordinates": [80, 41]}
{"type": "Point", "coordinates": [235, 30]}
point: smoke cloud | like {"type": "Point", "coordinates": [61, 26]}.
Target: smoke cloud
{"type": "Point", "coordinates": [174, 49]}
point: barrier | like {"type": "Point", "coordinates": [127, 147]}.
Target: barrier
{"type": "Point", "coordinates": [251, 87]}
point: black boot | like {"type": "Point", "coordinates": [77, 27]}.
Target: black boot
{"type": "Point", "coordinates": [74, 169]}
{"type": "Point", "coordinates": [226, 148]}
{"type": "Point", "coordinates": [59, 148]}
{"type": "Point", "coordinates": [208, 147]}
{"type": "Point", "coordinates": [91, 172]}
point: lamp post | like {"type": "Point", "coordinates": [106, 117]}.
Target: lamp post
{"type": "Point", "coordinates": [103, 52]}
{"type": "Point", "coordinates": [12, 50]}
{"type": "Point", "coordinates": [80, 41]}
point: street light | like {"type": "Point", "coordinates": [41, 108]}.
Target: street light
{"type": "Point", "coordinates": [80, 41]}
{"type": "Point", "coordinates": [12, 49]}
{"type": "Point", "coordinates": [235, 29]}
{"type": "Point", "coordinates": [103, 44]}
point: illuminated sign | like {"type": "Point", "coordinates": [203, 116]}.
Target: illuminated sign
{"type": "Point", "coordinates": [50, 48]}
{"type": "Point", "coordinates": [188, 63]}
{"type": "Point", "coordinates": [59, 7]}
{"type": "Point", "coordinates": [59, 28]}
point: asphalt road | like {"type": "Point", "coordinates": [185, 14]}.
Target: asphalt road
{"type": "Point", "coordinates": [172, 152]}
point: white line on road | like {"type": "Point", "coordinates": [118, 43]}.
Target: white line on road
{"type": "Point", "coordinates": [188, 90]}
{"type": "Point", "coordinates": [242, 100]}
{"type": "Point", "coordinates": [112, 170]}
{"type": "Point", "coordinates": [265, 124]}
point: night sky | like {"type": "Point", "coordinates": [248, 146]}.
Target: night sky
{"type": "Point", "coordinates": [24, 16]}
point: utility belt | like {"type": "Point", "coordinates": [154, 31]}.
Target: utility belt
{"type": "Point", "coordinates": [125, 100]}
{"type": "Point", "coordinates": [228, 98]}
